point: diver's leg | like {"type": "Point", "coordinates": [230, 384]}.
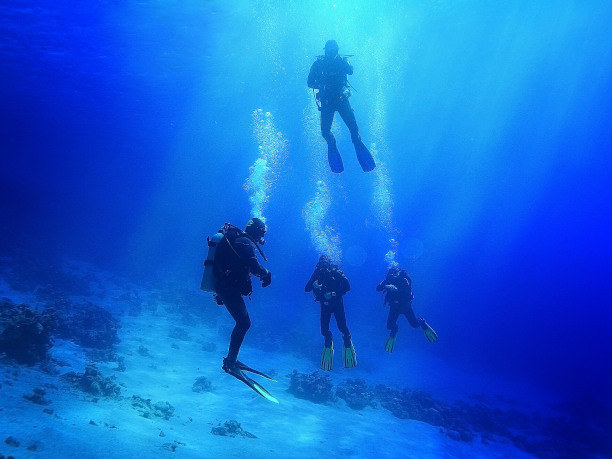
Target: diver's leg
{"type": "Point", "coordinates": [325, 319]}
{"type": "Point", "coordinates": [349, 357]}
{"type": "Point", "coordinates": [333, 155]}
{"type": "Point", "coordinates": [412, 319]}
{"type": "Point", "coordinates": [366, 161]}
{"type": "Point", "coordinates": [348, 115]}
{"type": "Point", "coordinates": [327, 118]}
{"type": "Point", "coordinates": [327, 353]}
{"type": "Point", "coordinates": [237, 308]}
{"type": "Point", "coordinates": [340, 316]}
{"type": "Point", "coordinates": [392, 320]}
{"type": "Point", "coordinates": [420, 322]}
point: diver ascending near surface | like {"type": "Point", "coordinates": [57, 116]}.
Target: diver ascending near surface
{"type": "Point", "coordinates": [329, 284]}
{"type": "Point", "coordinates": [227, 273]}
{"type": "Point", "coordinates": [398, 295]}
{"type": "Point", "coordinates": [328, 74]}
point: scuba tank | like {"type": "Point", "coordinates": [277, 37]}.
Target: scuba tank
{"type": "Point", "coordinates": [208, 278]}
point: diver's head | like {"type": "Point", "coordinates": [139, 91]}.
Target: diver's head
{"type": "Point", "coordinates": [256, 230]}
{"type": "Point", "coordinates": [393, 272]}
{"type": "Point", "coordinates": [324, 262]}
{"type": "Point", "coordinates": [331, 48]}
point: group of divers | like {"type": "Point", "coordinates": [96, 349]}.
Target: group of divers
{"type": "Point", "coordinates": [232, 259]}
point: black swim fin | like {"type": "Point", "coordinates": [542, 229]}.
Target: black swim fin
{"type": "Point", "coordinates": [334, 158]}
{"type": "Point", "coordinates": [237, 373]}
{"type": "Point", "coordinates": [364, 156]}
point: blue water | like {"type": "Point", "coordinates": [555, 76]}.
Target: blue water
{"type": "Point", "coordinates": [128, 130]}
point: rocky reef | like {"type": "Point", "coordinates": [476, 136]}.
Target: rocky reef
{"type": "Point", "coordinates": [565, 435]}
{"type": "Point", "coordinates": [25, 334]}
{"type": "Point", "coordinates": [92, 382]}
{"type": "Point", "coordinates": [149, 409]}
{"type": "Point", "coordinates": [37, 396]}
{"type": "Point", "coordinates": [316, 387]}
{"type": "Point", "coordinates": [356, 394]}
{"type": "Point", "coordinates": [86, 324]}
{"type": "Point", "coordinates": [231, 428]}
{"type": "Point", "coordinates": [411, 404]}
{"type": "Point", "coordinates": [202, 384]}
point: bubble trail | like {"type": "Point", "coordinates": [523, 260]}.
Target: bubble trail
{"type": "Point", "coordinates": [272, 153]}
{"type": "Point", "coordinates": [382, 203]}
{"type": "Point", "coordinates": [324, 238]}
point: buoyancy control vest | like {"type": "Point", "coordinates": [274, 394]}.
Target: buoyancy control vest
{"type": "Point", "coordinates": [404, 293]}
{"type": "Point", "coordinates": [224, 267]}
{"type": "Point", "coordinates": [332, 281]}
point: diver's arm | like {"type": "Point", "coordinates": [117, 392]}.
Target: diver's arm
{"type": "Point", "coordinates": [401, 285]}
{"type": "Point", "coordinates": [348, 68]}
{"type": "Point", "coordinates": [345, 284]}
{"type": "Point", "coordinates": [313, 76]}
{"type": "Point", "coordinates": [310, 283]}
{"type": "Point", "coordinates": [380, 287]}
{"type": "Point", "coordinates": [407, 283]}
{"type": "Point", "coordinates": [404, 286]}
{"type": "Point", "coordinates": [245, 250]}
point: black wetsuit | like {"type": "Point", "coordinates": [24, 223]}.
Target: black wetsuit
{"type": "Point", "coordinates": [233, 268]}
{"type": "Point", "coordinates": [334, 286]}
{"type": "Point", "coordinates": [399, 301]}
{"type": "Point", "coordinates": [328, 75]}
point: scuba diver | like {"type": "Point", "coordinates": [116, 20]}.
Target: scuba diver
{"type": "Point", "coordinates": [227, 274]}
{"type": "Point", "coordinates": [398, 295]}
{"type": "Point", "coordinates": [329, 284]}
{"type": "Point", "coordinates": [328, 74]}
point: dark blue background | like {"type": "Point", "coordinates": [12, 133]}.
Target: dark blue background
{"type": "Point", "coordinates": [127, 137]}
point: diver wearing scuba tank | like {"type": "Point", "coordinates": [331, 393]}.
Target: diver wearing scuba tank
{"type": "Point", "coordinates": [234, 261]}
{"type": "Point", "coordinates": [397, 287]}
{"type": "Point", "coordinates": [328, 75]}
{"type": "Point", "coordinates": [329, 285]}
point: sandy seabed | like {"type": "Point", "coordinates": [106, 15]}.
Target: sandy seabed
{"type": "Point", "coordinates": [70, 423]}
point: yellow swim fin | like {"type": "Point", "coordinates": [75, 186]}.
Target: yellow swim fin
{"type": "Point", "coordinates": [429, 332]}
{"type": "Point", "coordinates": [390, 344]}
{"type": "Point", "coordinates": [349, 357]}
{"type": "Point", "coordinates": [327, 358]}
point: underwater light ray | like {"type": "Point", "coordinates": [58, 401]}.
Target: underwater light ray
{"type": "Point", "coordinates": [382, 198]}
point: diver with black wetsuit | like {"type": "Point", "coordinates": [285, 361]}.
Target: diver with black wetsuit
{"type": "Point", "coordinates": [234, 262]}
{"type": "Point", "coordinates": [397, 286]}
{"type": "Point", "coordinates": [329, 284]}
{"type": "Point", "coordinates": [328, 75]}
